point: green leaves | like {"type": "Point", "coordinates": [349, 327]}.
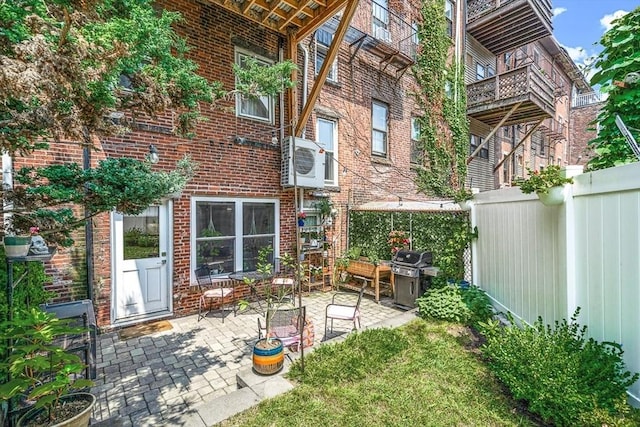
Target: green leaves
{"type": "Point", "coordinates": [619, 57]}
{"type": "Point", "coordinates": [565, 377]}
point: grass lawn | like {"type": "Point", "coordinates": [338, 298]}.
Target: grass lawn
{"type": "Point", "coordinates": [422, 374]}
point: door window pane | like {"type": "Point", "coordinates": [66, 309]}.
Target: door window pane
{"type": "Point", "coordinates": [142, 234]}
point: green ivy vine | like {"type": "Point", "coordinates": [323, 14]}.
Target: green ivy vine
{"type": "Point", "coordinates": [444, 129]}
{"type": "Point", "coordinates": [445, 234]}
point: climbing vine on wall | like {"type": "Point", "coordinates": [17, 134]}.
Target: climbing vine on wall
{"type": "Point", "coordinates": [444, 130]}
{"type": "Point", "coordinates": [445, 234]}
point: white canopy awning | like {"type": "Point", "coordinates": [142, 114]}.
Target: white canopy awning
{"type": "Point", "coordinates": [410, 206]}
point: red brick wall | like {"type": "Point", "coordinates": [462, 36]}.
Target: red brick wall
{"type": "Point", "coordinates": [581, 131]}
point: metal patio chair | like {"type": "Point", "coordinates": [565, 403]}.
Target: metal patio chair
{"type": "Point", "coordinates": [213, 291]}
{"type": "Point", "coordinates": [342, 311]}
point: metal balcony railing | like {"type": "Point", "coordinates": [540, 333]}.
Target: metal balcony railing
{"type": "Point", "coordinates": [382, 32]}
{"type": "Point", "coordinates": [585, 99]}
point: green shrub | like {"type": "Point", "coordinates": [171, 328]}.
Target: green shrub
{"type": "Point", "coordinates": [478, 303]}
{"type": "Point", "coordinates": [29, 292]}
{"type": "Point", "coordinates": [565, 378]}
{"type": "Point", "coordinates": [468, 306]}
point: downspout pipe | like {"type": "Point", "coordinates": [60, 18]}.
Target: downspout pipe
{"type": "Point", "coordinates": [305, 77]}
{"type": "Point", "coordinates": [88, 226]}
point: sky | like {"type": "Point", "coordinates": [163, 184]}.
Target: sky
{"type": "Point", "coordinates": [579, 24]}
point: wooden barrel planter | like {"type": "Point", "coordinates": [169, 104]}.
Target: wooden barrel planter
{"type": "Point", "coordinates": [268, 357]}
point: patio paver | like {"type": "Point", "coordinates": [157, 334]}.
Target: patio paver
{"type": "Point", "coordinates": [167, 377]}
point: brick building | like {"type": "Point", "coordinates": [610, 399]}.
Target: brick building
{"type": "Point", "coordinates": [352, 108]}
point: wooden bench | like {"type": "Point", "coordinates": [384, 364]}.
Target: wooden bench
{"type": "Point", "coordinates": [371, 275]}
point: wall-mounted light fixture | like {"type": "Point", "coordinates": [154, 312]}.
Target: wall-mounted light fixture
{"type": "Point", "coordinates": [153, 155]}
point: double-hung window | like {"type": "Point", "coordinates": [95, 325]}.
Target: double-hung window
{"type": "Point", "coordinates": [448, 13]}
{"type": "Point", "coordinates": [379, 128]}
{"type": "Point", "coordinates": [226, 234]}
{"type": "Point", "coordinates": [380, 20]}
{"type": "Point", "coordinates": [416, 145]}
{"type": "Point", "coordinates": [323, 41]}
{"type": "Point", "coordinates": [474, 142]}
{"type": "Point", "coordinates": [259, 107]}
{"type": "Point", "coordinates": [327, 138]}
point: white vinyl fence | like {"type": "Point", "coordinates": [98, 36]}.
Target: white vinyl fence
{"type": "Point", "coordinates": [535, 260]}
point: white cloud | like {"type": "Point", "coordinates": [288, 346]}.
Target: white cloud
{"type": "Point", "coordinates": [578, 54]}
{"type": "Point", "coordinates": [558, 11]}
{"type": "Point", "coordinates": [605, 21]}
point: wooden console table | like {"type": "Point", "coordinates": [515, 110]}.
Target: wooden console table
{"type": "Point", "coordinates": [369, 272]}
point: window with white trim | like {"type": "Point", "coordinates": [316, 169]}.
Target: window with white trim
{"type": "Point", "coordinates": [380, 20]}
{"type": "Point", "coordinates": [226, 234]}
{"type": "Point", "coordinates": [480, 71]}
{"type": "Point", "coordinates": [327, 138]}
{"type": "Point", "coordinates": [379, 128]}
{"type": "Point", "coordinates": [417, 152]}
{"type": "Point", "coordinates": [254, 107]}
{"type": "Point", "coordinates": [448, 13]}
{"type": "Point", "coordinates": [323, 42]}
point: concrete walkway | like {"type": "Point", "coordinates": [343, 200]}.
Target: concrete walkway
{"type": "Point", "coordinates": [199, 373]}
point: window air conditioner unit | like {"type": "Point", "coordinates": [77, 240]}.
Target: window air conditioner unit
{"type": "Point", "coordinates": [382, 33]}
{"type": "Point", "coordinates": [309, 164]}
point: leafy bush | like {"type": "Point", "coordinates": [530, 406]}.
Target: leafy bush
{"type": "Point", "coordinates": [30, 292]}
{"type": "Point", "coordinates": [443, 303]}
{"type": "Point", "coordinates": [566, 378]}
{"type": "Point", "coordinates": [478, 304]}
{"type": "Point", "coordinates": [468, 306]}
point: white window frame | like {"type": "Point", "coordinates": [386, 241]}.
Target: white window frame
{"type": "Point", "coordinates": [323, 49]}
{"type": "Point", "coordinates": [333, 151]}
{"type": "Point", "coordinates": [384, 150]}
{"type": "Point", "coordinates": [448, 13]}
{"type": "Point", "coordinates": [267, 101]}
{"type": "Point", "coordinates": [238, 255]}
{"type": "Point", "coordinates": [415, 139]}
{"type": "Point", "coordinates": [380, 20]}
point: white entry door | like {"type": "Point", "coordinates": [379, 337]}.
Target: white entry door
{"type": "Point", "coordinates": [141, 268]}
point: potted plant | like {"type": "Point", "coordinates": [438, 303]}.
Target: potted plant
{"type": "Point", "coordinates": [463, 198]}
{"type": "Point", "coordinates": [548, 184]}
{"type": "Point", "coordinates": [268, 352]}
{"type": "Point", "coordinates": [41, 371]}
{"type": "Point", "coordinates": [324, 207]}
{"type": "Point", "coordinates": [301, 217]}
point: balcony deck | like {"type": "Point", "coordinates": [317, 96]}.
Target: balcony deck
{"type": "Point", "coordinates": [503, 25]}
{"type": "Point", "coordinates": [394, 46]}
{"type": "Point", "coordinates": [488, 100]}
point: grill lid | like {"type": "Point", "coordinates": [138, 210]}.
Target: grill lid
{"type": "Point", "coordinates": [413, 258]}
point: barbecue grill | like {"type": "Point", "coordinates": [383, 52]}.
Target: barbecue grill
{"type": "Point", "coordinates": [412, 272]}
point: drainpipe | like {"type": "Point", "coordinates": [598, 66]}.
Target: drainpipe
{"type": "Point", "coordinates": [281, 115]}
{"type": "Point", "coordinates": [305, 76]}
{"type": "Point", "coordinates": [7, 182]}
{"type": "Point", "coordinates": [88, 225]}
